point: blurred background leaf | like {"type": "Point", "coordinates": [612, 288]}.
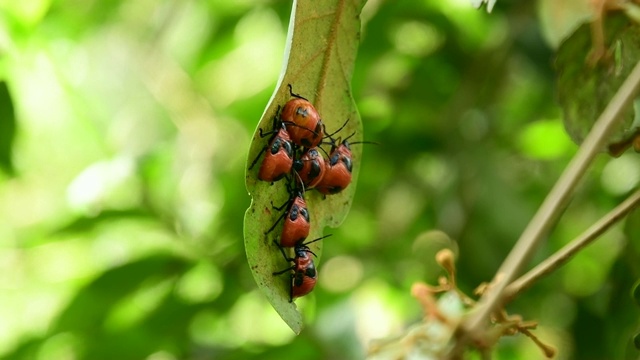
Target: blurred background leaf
{"type": "Point", "coordinates": [584, 90]}
{"type": "Point", "coordinates": [133, 120]}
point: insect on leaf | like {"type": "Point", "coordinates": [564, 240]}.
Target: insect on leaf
{"type": "Point", "coordinates": [319, 59]}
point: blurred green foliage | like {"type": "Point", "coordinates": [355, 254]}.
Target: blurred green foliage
{"type": "Point", "coordinates": [585, 91]}
{"type": "Point", "coordinates": [121, 224]}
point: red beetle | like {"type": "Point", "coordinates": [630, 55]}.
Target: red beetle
{"type": "Point", "coordinates": [278, 160]}
{"type": "Point", "coordinates": [310, 167]}
{"type": "Point", "coordinates": [304, 275]}
{"type": "Point", "coordinates": [302, 121]}
{"type": "Point", "coordinates": [338, 167]}
{"type": "Point", "coordinates": [337, 174]}
{"type": "Point", "coordinates": [296, 224]}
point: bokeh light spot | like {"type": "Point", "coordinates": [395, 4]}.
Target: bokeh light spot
{"type": "Point", "coordinates": [417, 38]}
{"type": "Point", "coordinates": [252, 319]}
{"type": "Point", "coordinates": [545, 140]}
{"type": "Point", "coordinates": [621, 175]}
{"type": "Point", "coordinates": [375, 317]}
{"type": "Point", "coordinates": [583, 276]}
{"type": "Point", "coordinates": [341, 273]}
{"type": "Point", "coordinates": [201, 283]}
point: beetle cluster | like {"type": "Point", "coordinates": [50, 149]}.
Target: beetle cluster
{"type": "Point", "coordinates": [294, 152]}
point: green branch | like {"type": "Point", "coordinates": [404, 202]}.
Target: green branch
{"type": "Point", "coordinates": [550, 210]}
{"type": "Point", "coordinates": [563, 255]}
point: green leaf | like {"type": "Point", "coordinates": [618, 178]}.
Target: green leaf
{"type": "Point", "coordinates": [585, 90]}
{"type": "Point", "coordinates": [7, 127]}
{"type": "Point", "coordinates": [636, 341]}
{"type": "Point", "coordinates": [319, 59]}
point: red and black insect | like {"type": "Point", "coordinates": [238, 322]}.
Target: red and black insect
{"type": "Point", "coordinates": [310, 167]}
{"type": "Point", "coordinates": [338, 167]}
{"type": "Point", "coordinates": [297, 224]}
{"type": "Point", "coordinates": [304, 275]}
{"type": "Point", "coordinates": [302, 121]}
{"type": "Point", "coordinates": [278, 158]}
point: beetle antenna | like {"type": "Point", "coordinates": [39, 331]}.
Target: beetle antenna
{"type": "Point", "coordinates": [365, 142]}
{"type": "Point", "coordinates": [330, 136]}
{"type": "Point", "coordinates": [300, 126]}
{"type": "Point", "coordinates": [314, 240]}
{"type": "Point", "coordinates": [324, 151]}
{"type": "Point", "coordinates": [295, 95]}
{"type": "Point", "coordinates": [359, 142]}
{"type": "Point", "coordinates": [350, 136]}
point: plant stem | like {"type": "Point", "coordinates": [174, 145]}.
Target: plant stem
{"type": "Point", "coordinates": [550, 210]}
{"type": "Point", "coordinates": [563, 255]}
